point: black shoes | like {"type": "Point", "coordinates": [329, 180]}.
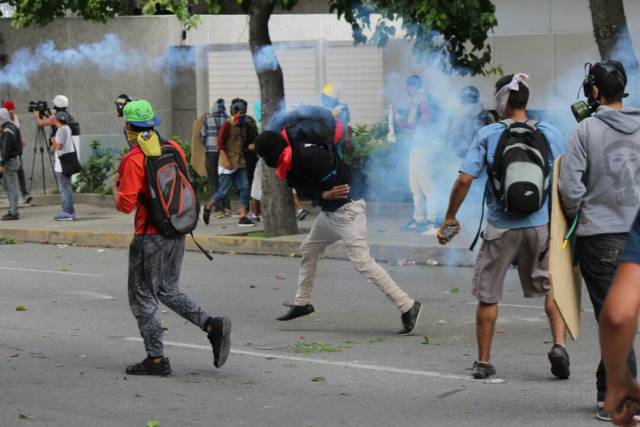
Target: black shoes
{"type": "Point", "coordinates": [10, 217]}
{"type": "Point", "coordinates": [297, 311]}
{"type": "Point", "coordinates": [481, 370]}
{"type": "Point", "coordinates": [206, 215]}
{"type": "Point", "coordinates": [559, 359]}
{"type": "Point", "coordinates": [220, 339]}
{"type": "Point", "coordinates": [245, 222]}
{"type": "Point", "coordinates": [148, 367]}
{"type": "Point", "coordinates": [410, 319]}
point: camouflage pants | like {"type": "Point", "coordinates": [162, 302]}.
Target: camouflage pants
{"type": "Point", "coordinates": [154, 272]}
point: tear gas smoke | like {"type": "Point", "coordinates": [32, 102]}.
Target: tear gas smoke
{"type": "Point", "coordinates": [109, 56]}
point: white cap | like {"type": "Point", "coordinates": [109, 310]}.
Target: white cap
{"type": "Point", "coordinates": [60, 101]}
{"type": "Point", "coordinates": [4, 116]}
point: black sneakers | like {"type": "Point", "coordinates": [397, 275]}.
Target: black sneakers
{"type": "Point", "coordinates": [148, 367]}
{"type": "Point", "coordinates": [10, 217]}
{"type": "Point", "coordinates": [559, 359]}
{"type": "Point", "coordinates": [297, 311]}
{"type": "Point", "coordinates": [220, 339]}
{"type": "Point", "coordinates": [481, 370]}
{"type": "Point", "coordinates": [245, 222]}
{"type": "Point", "coordinates": [410, 318]}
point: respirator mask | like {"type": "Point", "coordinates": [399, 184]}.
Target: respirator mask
{"type": "Point", "coordinates": [607, 70]}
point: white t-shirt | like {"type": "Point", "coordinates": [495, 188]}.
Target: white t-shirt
{"type": "Point", "coordinates": [63, 136]}
{"type": "Point", "coordinates": [16, 121]}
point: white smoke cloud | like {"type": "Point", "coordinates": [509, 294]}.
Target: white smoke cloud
{"type": "Point", "coordinates": [109, 55]}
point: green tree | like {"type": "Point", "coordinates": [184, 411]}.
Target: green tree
{"type": "Point", "coordinates": [457, 29]}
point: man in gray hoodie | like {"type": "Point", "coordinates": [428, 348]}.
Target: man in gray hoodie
{"type": "Point", "coordinates": [600, 183]}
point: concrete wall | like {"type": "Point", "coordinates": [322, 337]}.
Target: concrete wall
{"type": "Point", "coordinates": [549, 39]}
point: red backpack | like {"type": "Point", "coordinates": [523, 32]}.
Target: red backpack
{"type": "Point", "coordinates": [173, 206]}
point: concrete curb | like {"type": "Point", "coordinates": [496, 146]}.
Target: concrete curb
{"type": "Point", "coordinates": [444, 256]}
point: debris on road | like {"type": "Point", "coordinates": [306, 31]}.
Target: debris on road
{"type": "Point", "coordinates": [495, 381]}
{"type": "Point", "coordinates": [432, 262]}
{"type": "Point", "coordinates": [403, 262]}
{"type": "Point", "coordinates": [425, 340]}
{"type": "Point", "coordinates": [442, 322]}
{"type": "Point", "coordinates": [281, 276]}
{"type": "Point", "coordinates": [318, 379]}
{"type": "Point", "coordinates": [21, 307]}
{"type": "Point", "coordinates": [7, 241]}
{"type": "Point", "coordinates": [454, 290]}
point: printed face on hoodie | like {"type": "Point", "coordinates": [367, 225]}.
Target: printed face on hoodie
{"type": "Point", "coordinates": [623, 169]}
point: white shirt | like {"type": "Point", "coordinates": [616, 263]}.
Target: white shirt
{"type": "Point", "coordinates": [63, 136]}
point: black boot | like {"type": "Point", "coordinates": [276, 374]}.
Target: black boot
{"type": "Point", "coordinates": [297, 311]}
{"type": "Point", "coordinates": [220, 339]}
{"type": "Point", "coordinates": [410, 319]}
{"type": "Point", "coordinates": [148, 367]}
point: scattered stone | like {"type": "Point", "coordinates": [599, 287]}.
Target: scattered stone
{"type": "Point", "coordinates": [432, 262]}
{"type": "Point", "coordinates": [442, 322]}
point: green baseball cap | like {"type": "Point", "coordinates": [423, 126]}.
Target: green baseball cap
{"type": "Point", "coordinates": [140, 113]}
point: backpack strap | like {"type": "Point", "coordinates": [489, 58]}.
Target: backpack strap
{"type": "Point", "coordinates": [479, 232]}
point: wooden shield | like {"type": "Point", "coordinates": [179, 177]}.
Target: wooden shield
{"type": "Point", "coordinates": [197, 148]}
{"type": "Point", "coordinates": [566, 280]}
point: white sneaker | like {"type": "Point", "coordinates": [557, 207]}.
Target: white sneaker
{"type": "Point", "coordinates": [431, 230]}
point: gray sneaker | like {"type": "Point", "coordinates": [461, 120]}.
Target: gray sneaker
{"type": "Point", "coordinates": [482, 371]}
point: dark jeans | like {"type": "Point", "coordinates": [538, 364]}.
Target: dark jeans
{"type": "Point", "coordinates": [251, 161]}
{"type": "Point", "coordinates": [22, 182]}
{"type": "Point", "coordinates": [237, 179]}
{"type": "Point", "coordinates": [598, 259]}
{"type": "Point", "coordinates": [211, 163]}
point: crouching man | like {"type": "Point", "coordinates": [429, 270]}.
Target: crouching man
{"type": "Point", "coordinates": [302, 151]}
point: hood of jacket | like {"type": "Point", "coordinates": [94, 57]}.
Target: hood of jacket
{"type": "Point", "coordinates": [625, 120]}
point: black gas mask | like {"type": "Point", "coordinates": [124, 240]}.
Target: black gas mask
{"type": "Point", "coordinates": [593, 75]}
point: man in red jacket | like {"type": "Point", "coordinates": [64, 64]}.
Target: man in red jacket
{"type": "Point", "coordinates": [155, 260]}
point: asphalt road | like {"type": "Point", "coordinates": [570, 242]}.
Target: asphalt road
{"type": "Point", "coordinates": [62, 360]}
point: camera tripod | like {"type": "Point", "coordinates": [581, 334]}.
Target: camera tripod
{"type": "Point", "coordinates": [41, 144]}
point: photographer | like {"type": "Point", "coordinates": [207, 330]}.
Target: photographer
{"type": "Point", "coordinates": [44, 117]}
{"type": "Point", "coordinates": [10, 152]}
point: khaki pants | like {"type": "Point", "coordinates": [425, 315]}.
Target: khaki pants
{"type": "Point", "coordinates": [349, 224]}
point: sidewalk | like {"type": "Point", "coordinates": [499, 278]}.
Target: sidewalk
{"type": "Point", "coordinates": [99, 224]}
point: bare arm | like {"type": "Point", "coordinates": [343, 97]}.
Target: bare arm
{"type": "Point", "coordinates": [458, 194]}
{"type": "Point", "coordinates": [618, 325]}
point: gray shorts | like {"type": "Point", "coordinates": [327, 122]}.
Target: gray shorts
{"type": "Point", "coordinates": [526, 248]}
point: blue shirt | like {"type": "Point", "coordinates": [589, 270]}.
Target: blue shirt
{"type": "Point", "coordinates": [482, 151]}
{"type": "Point", "coordinates": [632, 252]}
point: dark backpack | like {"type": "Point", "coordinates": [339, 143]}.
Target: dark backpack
{"type": "Point", "coordinates": [73, 125]}
{"type": "Point", "coordinates": [520, 174]}
{"type": "Point", "coordinates": [173, 207]}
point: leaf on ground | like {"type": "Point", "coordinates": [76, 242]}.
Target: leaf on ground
{"type": "Point", "coordinates": [25, 417]}
{"type": "Point", "coordinates": [21, 307]}
{"type": "Point", "coordinates": [64, 269]}
{"type": "Point", "coordinates": [153, 423]}
{"type": "Point", "coordinates": [252, 286]}
{"type": "Point", "coordinates": [454, 290]}
{"type": "Point", "coordinates": [318, 379]}
{"type": "Point", "coordinates": [375, 339]}
{"type": "Point", "coordinates": [425, 340]}
{"type": "Point", "coordinates": [7, 240]}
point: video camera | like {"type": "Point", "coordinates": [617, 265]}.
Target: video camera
{"type": "Point", "coordinates": [40, 106]}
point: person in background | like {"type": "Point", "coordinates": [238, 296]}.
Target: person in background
{"type": "Point", "coordinates": [420, 155]}
{"type": "Point", "coordinates": [234, 139]}
{"type": "Point", "coordinates": [11, 107]}
{"type": "Point", "coordinates": [63, 144]}
{"type": "Point", "coordinates": [467, 120]}
{"type": "Point", "coordinates": [211, 126]}
{"type": "Point", "coordinates": [330, 99]}
{"type": "Point", "coordinates": [10, 151]}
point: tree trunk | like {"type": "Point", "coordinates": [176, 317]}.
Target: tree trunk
{"type": "Point", "coordinates": [614, 42]}
{"type": "Point", "coordinates": [277, 201]}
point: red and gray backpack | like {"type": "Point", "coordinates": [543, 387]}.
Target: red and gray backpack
{"type": "Point", "coordinates": [173, 206]}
